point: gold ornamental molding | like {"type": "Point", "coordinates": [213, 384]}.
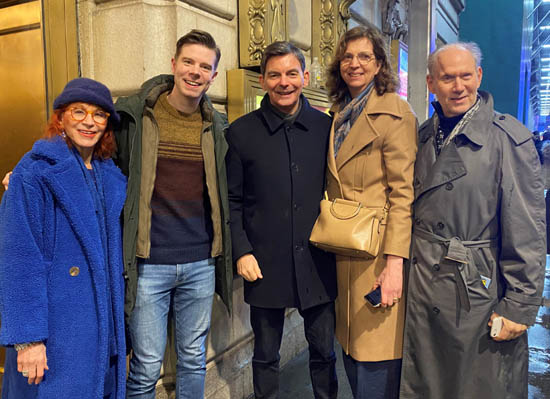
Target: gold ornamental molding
{"type": "Point", "coordinates": [244, 94]}
{"type": "Point", "coordinates": [261, 22]}
{"type": "Point", "coordinates": [61, 45]}
{"type": "Point", "coordinates": [329, 22]}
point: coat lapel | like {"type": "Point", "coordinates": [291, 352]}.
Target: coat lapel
{"type": "Point", "coordinates": [331, 162]}
{"type": "Point", "coordinates": [434, 172]}
{"type": "Point", "coordinates": [69, 189]}
{"type": "Point", "coordinates": [361, 134]}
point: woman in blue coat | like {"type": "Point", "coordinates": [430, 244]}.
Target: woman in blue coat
{"type": "Point", "coordinates": [61, 283]}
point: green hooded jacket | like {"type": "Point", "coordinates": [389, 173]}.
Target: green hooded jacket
{"type": "Point", "coordinates": [134, 110]}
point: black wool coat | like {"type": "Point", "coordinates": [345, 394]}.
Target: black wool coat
{"type": "Point", "coordinates": [276, 176]}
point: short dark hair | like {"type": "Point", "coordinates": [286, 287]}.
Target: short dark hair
{"type": "Point", "coordinates": [281, 48]}
{"type": "Point", "coordinates": [201, 37]}
{"type": "Point", "coordinates": [385, 80]}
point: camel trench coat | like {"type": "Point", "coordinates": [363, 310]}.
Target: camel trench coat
{"type": "Point", "coordinates": [375, 166]}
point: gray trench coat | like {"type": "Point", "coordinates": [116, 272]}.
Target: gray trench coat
{"type": "Point", "coordinates": [478, 246]}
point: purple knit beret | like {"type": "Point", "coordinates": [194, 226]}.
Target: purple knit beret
{"type": "Point", "coordinates": [87, 91]}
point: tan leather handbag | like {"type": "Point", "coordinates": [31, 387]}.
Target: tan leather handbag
{"type": "Point", "coordinates": [348, 228]}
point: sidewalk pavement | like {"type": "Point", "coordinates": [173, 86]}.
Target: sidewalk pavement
{"type": "Point", "coordinates": [296, 384]}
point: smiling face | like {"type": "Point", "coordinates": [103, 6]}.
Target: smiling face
{"type": "Point", "coordinates": [86, 133]}
{"type": "Point", "coordinates": [358, 66]}
{"type": "Point", "coordinates": [194, 70]}
{"type": "Point", "coordinates": [283, 81]}
{"type": "Point", "coordinates": [455, 80]}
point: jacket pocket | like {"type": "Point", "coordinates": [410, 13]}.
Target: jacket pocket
{"type": "Point", "coordinates": [481, 278]}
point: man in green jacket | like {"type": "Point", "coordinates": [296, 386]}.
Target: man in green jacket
{"type": "Point", "coordinates": [176, 239]}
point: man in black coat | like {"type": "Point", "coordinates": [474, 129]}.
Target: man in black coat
{"type": "Point", "coordinates": [276, 172]}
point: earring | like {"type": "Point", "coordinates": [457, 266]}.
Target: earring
{"type": "Point", "coordinates": [63, 134]}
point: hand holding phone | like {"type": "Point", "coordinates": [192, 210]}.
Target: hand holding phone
{"type": "Point", "coordinates": [374, 298]}
{"type": "Point", "coordinates": [496, 327]}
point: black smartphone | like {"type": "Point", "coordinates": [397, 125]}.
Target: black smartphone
{"type": "Point", "coordinates": [374, 298]}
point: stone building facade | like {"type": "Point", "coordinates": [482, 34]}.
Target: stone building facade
{"type": "Point", "coordinates": [125, 42]}
{"type": "Point", "coordinates": [122, 43]}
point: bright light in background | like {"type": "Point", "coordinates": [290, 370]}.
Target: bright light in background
{"type": "Point", "coordinates": [546, 27]}
{"type": "Point", "coordinates": [545, 59]}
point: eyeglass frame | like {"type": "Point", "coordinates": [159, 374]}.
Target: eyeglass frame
{"type": "Point", "coordinates": [89, 112]}
{"type": "Point", "coordinates": [348, 61]}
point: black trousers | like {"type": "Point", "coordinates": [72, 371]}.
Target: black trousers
{"type": "Point", "coordinates": [319, 324]}
{"type": "Point", "coordinates": [373, 380]}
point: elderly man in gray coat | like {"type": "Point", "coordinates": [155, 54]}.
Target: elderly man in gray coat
{"type": "Point", "coordinates": [478, 246]}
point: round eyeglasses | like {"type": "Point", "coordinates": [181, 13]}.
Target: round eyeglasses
{"type": "Point", "coordinates": [362, 58]}
{"type": "Point", "coordinates": [79, 114]}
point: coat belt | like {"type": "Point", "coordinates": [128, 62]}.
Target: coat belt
{"type": "Point", "coordinates": [459, 252]}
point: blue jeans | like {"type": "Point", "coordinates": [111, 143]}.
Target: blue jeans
{"type": "Point", "coordinates": [191, 285]}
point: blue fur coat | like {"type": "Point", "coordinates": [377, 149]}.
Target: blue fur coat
{"type": "Point", "coordinates": [53, 274]}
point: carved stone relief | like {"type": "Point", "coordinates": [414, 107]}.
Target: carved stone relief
{"type": "Point", "coordinates": [345, 15]}
{"type": "Point", "coordinates": [395, 20]}
{"type": "Point", "coordinates": [277, 24]}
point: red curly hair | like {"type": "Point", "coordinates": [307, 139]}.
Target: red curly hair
{"type": "Point", "coordinates": [104, 148]}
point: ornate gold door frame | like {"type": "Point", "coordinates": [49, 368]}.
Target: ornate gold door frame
{"type": "Point", "coordinates": [329, 22]}
{"type": "Point", "coordinates": [261, 22]}
{"type": "Point", "coordinates": [61, 45]}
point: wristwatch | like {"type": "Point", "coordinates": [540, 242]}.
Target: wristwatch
{"type": "Point", "coordinates": [19, 347]}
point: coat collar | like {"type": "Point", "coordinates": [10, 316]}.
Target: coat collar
{"type": "Point", "coordinates": [379, 104]}
{"type": "Point", "coordinates": [475, 130]}
{"type": "Point", "coordinates": [364, 130]}
{"type": "Point", "coordinates": [305, 119]}
{"type": "Point", "coordinates": [449, 165]}
{"type": "Point", "coordinates": [150, 92]}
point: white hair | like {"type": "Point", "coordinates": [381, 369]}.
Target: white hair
{"type": "Point", "coordinates": [471, 47]}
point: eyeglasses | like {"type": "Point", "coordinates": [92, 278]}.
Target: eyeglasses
{"type": "Point", "coordinates": [363, 58]}
{"type": "Point", "coordinates": [79, 114]}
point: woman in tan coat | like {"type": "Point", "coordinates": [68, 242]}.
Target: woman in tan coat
{"type": "Point", "coordinates": [370, 160]}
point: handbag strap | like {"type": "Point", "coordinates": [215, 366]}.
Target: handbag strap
{"type": "Point", "coordinates": [344, 217]}
{"type": "Point", "coordinates": [385, 210]}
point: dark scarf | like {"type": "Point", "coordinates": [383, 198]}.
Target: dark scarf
{"type": "Point", "coordinates": [287, 118]}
